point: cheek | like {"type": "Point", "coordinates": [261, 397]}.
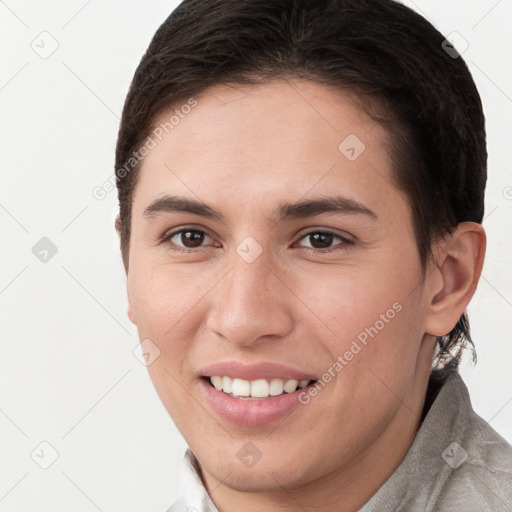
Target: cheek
{"type": "Point", "coordinates": [164, 299]}
{"type": "Point", "coordinates": [371, 318]}
{"type": "Point", "coordinates": [348, 300]}
{"type": "Point", "coordinates": [167, 304]}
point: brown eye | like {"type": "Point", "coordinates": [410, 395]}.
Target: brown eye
{"type": "Point", "coordinates": [191, 238]}
{"type": "Point", "coordinates": [185, 239]}
{"type": "Point", "coordinates": [321, 241]}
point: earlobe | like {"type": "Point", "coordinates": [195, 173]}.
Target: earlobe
{"type": "Point", "coordinates": [130, 310]}
{"type": "Point", "coordinates": [130, 314]}
{"type": "Point", "coordinates": [118, 225]}
{"type": "Point", "coordinates": [455, 277]}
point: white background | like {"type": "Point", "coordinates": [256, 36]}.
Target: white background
{"type": "Point", "coordinates": [68, 373]}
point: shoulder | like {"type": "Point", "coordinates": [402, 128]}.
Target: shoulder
{"type": "Point", "coordinates": [481, 470]}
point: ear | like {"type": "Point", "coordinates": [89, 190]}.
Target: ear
{"type": "Point", "coordinates": [130, 311]}
{"type": "Point", "coordinates": [454, 276]}
{"type": "Point", "coordinates": [118, 226]}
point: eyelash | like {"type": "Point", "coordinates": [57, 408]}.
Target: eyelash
{"type": "Point", "coordinates": [166, 237]}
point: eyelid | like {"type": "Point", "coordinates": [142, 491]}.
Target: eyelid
{"type": "Point", "coordinates": [317, 229]}
{"type": "Point", "coordinates": [170, 233]}
{"type": "Point", "coordinates": [345, 243]}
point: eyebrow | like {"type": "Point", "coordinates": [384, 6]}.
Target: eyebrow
{"type": "Point", "coordinates": [286, 210]}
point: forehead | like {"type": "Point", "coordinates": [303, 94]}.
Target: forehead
{"type": "Point", "coordinates": [242, 146]}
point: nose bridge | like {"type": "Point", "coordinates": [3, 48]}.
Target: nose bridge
{"type": "Point", "coordinates": [251, 301]}
{"type": "Point", "coordinates": [249, 279]}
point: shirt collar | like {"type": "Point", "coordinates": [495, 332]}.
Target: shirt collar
{"type": "Point", "coordinates": [192, 487]}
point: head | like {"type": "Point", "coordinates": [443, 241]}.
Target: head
{"type": "Point", "coordinates": [262, 112]}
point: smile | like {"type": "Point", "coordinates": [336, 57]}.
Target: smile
{"type": "Point", "coordinates": [255, 389]}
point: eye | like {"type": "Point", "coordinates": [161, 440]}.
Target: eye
{"type": "Point", "coordinates": [191, 240]}
{"type": "Point", "coordinates": [189, 237]}
{"type": "Point", "coordinates": [321, 240]}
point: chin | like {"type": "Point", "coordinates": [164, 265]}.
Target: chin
{"type": "Point", "coordinates": [266, 475]}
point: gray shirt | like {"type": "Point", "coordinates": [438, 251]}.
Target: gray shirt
{"type": "Point", "coordinates": [457, 462]}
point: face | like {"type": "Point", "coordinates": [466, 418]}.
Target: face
{"type": "Point", "coordinates": [295, 278]}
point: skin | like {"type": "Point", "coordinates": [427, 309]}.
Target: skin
{"type": "Point", "coordinates": [244, 150]}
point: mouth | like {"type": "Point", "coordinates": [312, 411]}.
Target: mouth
{"type": "Point", "coordinates": [254, 395]}
{"type": "Point", "coordinates": [257, 389]}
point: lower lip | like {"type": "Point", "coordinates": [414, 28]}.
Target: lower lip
{"type": "Point", "coordinates": [251, 412]}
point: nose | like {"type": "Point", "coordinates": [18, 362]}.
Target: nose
{"type": "Point", "coordinates": [251, 303]}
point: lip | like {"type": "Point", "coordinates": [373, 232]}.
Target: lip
{"type": "Point", "coordinates": [251, 413]}
{"type": "Point", "coordinates": [263, 370]}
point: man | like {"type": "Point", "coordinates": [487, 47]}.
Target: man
{"type": "Point", "coordinates": [301, 192]}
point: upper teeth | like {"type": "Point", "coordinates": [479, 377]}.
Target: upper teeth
{"type": "Point", "coordinates": [259, 388]}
